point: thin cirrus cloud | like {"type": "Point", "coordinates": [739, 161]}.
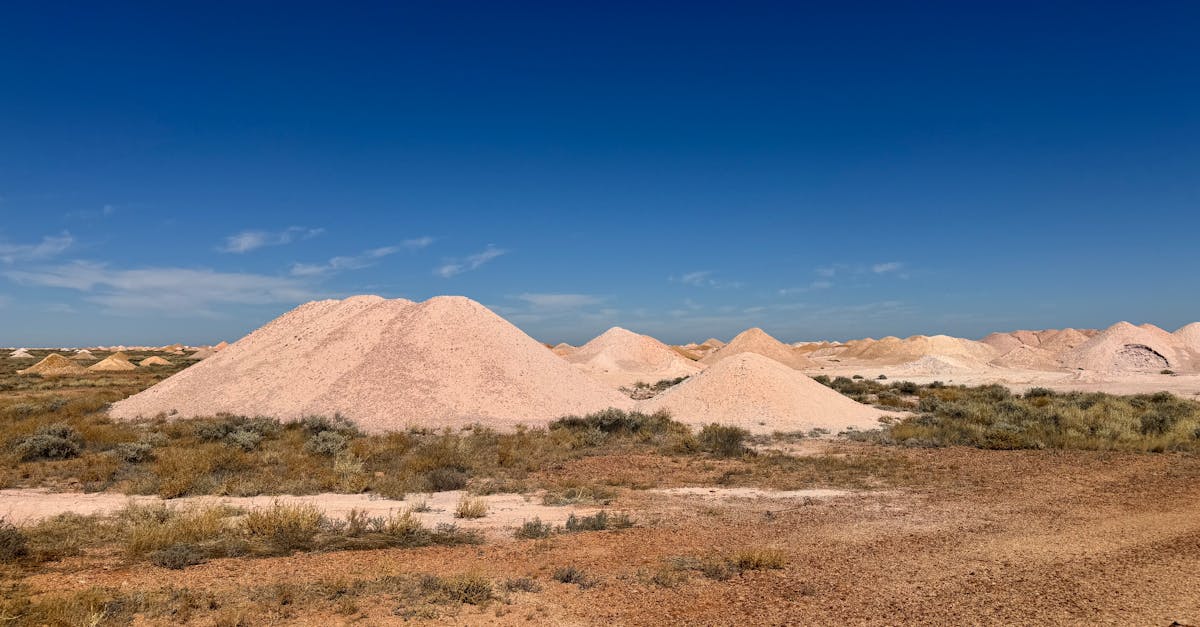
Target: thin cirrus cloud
{"type": "Point", "coordinates": [559, 301]}
{"type": "Point", "coordinates": [363, 260]}
{"type": "Point", "coordinates": [50, 246]}
{"type": "Point", "coordinates": [884, 268]}
{"type": "Point", "coordinates": [183, 291]}
{"type": "Point", "coordinates": [455, 267]}
{"type": "Point", "coordinates": [705, 278]}
{"type": "Point", "coordinates": [815, 285]}
{"type": "Point", "coordinates": [246, 241]}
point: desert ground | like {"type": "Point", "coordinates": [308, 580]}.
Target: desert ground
{"type": "Point", "coordinates": [372, 461]}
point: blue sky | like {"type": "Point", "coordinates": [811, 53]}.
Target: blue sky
{"type": "Point", "coordinates": [187, 171]}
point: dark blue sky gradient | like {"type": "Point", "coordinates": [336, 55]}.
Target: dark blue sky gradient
{"type": "Point", "coordinates": [684, 169]}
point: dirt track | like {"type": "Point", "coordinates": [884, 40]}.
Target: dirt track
{"type": "Point", "coordinates": [985, 537]}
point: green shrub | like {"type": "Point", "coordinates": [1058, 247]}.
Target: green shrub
{"type": "Point", "coordinates": [57, 441]}
{"type": "Point", "coordinates": [614, 421]}
{"type": "Point", "coordinates": [723, 440]}
{"type": "Point", "coordinates": [134, 452]}
{"type": "Point", "coordinates": [327, 443]}
{"type": "Point", "coordinates": [338, 423]}
{"type": "Point", "coordinates": [13, 543]}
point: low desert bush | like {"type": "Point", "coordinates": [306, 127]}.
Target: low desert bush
{"type": "Point", "coordinates": [286, 527]}
{"type": "Point", "coordinates": [471, 507]}
{"type": "Point", "coordinates": [534, 529]}
{"type": "Point", "coordinates": [522, 584]}
{"type": "Point", "coordinates": [13, 543]}
{"type": "Point", "coordinates": [327, 443]}
{"type": "Point", "coordinates": [177, 556]}
{"type": "Point", "coordinates": [573, 575]}
{"type": "Point", "coordinates": [600, 521]}
{"type": "Point", "coordinates": [56, 441]}
{"type": "Point", "coordinates": [723, 440]}
{"type": "Point", "coordinates": [759, 559]}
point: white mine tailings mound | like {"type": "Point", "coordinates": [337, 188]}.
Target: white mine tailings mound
{"type": "Point", "coordinates": [1002, 342]}
{"type": "Point", "coordinates": [1124, 347]}
{"type": "Point", "coordinates": [1028, 358]}
{"type": "Point", "coordinates": [1189, 336]}
{"type": "Point", "coordinates": [892, 350]}
{"type": "Point", "coordinates": [386, 365]}
{"type": "Point", "coordinates": [620, 357]}
{"type": "Point", "coordinates": [761, 395]}
{"type": "Point", "coordinates": [759, 342]}
{"type": "Point", "coordinates": [20, 353]}
{"type": "Point", "coordinates": [153, 361]}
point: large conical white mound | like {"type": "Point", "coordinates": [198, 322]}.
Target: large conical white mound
{"type": "Point", "coordinates": [386, 365]}
{"type": "Point", "coordinates": [759, 342]}
{"type": "Point", "coordinates": [1124, 347]}
{"type": "Point", "coordinates": [1189, 336]}
{"type": "Point", "coordinates": [621, 357]}
{"type": "Point", "coordinates": [763, 396]}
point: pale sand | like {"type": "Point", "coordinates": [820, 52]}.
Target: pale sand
{"type": "Point", "coordinates": [505, 511]}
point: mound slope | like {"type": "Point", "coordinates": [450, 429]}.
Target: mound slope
{"type": "Point", "coordinates": [894, 350]}
{"type": "Point", "coordinates": [154, 361]}
{"type": "Point", "coordinates": [761, 395]}
{"type": "Point", "coordinates": [386, 365]}
{"type": "Point", "coordinates": [621, 357]}
{"type": "Point", "coordinates": [759, 342]}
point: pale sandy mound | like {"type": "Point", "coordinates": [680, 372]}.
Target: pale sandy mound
{"type": "Point", "coordinates": [54, 365]}
{"type": "Point", "coordinates": [892, 350]}
{"type": "Point", "coordinates": [1066, 340]}
{"type": "Point", "coordinates": [940, 365]}
{"type": "Point", "coordinates": [117, 362]}
{"type": "Point", "coordinates": [1029, 338]}
{"type": "Point", "coordinates": [20, 353]}
{"type": "Point", "coordinates": [1028, 358]}
{"type": "Point", "coordinates": [1189, 336]}
{"type": "Point", "coordinates": [713, 342]}
{"type": "Point", "coordinates": [222, 345]}
{"type": "Point", "coordinates": [1045, 334]}
{"type": "Point", "coordinates": [154, 361]}
{"type": "Point", "coordinates": [762, 395]}
{"type": "Point", "coordinates": [83, 354]}
{"type": "Point", "coordinates": [562, 349]}
{"type": "Point", "coordinates": [1002, 342]}
{"type": "Point", "coordinates": [202, 353]}
{"type": "Point", "coordinates": [1124, 347]}
{"type": "Point", "coordinates": [759, 342]}
{"type": "Point", "coordinates": [621, 357]}
{"type": "Point", "coordinates": [810, 348]}
{"type": "Point", "coordinates": [385, 364]}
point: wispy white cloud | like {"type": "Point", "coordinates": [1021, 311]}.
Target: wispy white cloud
{"type": "Point", "coordinates": [815, 285]}
{"type": "Point", "coordinates": [560, 301]}
{"type": "Point", "coordinates": [704, 278]}
{"type": "Point", "coordinates": [455, 267]}
{"type": "Point", "coordinates": [353, 262]}
{"type": "Point", "coordinates": [183, 291]}
{"type": "Point", "coordinates": [884, 268]}
{"type": "Point", "coordinates": [50, 246]}
{"type": "Point", "coordinates": [247, 241]}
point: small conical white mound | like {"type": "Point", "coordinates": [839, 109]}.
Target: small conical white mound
{"type": "Point", "coordinates": [385, 364]}
{"type": "Point", "coordinates": [621, 357]}
{"type": "Point", "coordinates": [759, 342]}
{"type": "Point", "coordinates": [117, 362]}
{"type": "Point", "coordinates": [153, 361]}
{"type": "Point", "coordinates": [763, 396]}
{"type": "Point", "coordinates": [1066, 340]}
{"type": "Point", "coordinates": [20, 353]}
